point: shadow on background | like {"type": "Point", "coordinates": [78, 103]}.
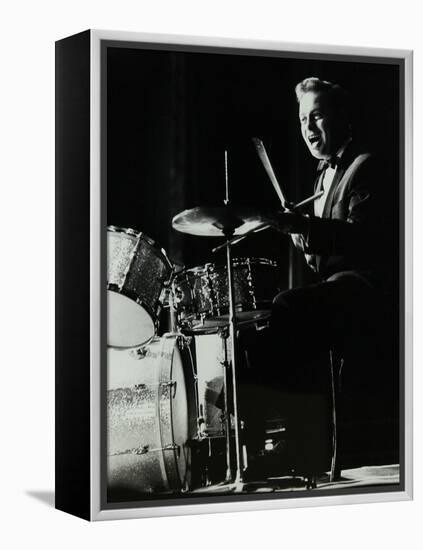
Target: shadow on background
{"type": "Point", "coordinates": [46, 497]}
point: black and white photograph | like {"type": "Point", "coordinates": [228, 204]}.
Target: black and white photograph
{"type": "Point", "coordinates": [254, 232]}
{"type": "Point", "coordinates": [211, 266]}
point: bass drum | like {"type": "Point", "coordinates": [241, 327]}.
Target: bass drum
{"type": "Point", "coordinates": [151, 419]}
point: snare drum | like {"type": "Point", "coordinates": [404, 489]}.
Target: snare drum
{"type": "Point", "coordinates": [138, 271]}
{"type": "Point", "coordinates": [201, 294]}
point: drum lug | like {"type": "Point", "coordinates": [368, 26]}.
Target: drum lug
{"type": "Point", "coordinates": [178, 294]}
{"type": "Point", "coordinates": [164, 296]}
{"type": "Point", "coordinates": [171, 384]}
{"type": "Point", "coordinates": [114, 287]}
{"type": "Point", "coordinates": [223, 332]}
{"type": "Point", "coordinates": [139, 353]}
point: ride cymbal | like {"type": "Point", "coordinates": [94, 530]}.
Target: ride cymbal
{"type": "Point", "coordinates": [218, 221]}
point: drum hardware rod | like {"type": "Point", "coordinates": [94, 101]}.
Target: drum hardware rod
{"type": "Point", "coordinates": [207, 479]}
{"type": "Point", "coordinates": [227, 418]}
{"type": "Point", "coordinates": [171, 384]}
{"type": "Point", "coordinates": [184, 342]}
{"type": "Point", "coordinates": [232, 338]}
{"type": "Point", "coordinates": [229, 233]}
{"type": "Point", "coordinates": [142, 450]}
{"type": "Point", "coordinates": [226, 201]}
{"type": "Point", "coordinates": [333, 376]}
{"type": "Point", "coordinates": [169, 447]}
{"type": "Point", "coordinates": [187, 344]}
{"type": "Point", "coordinates": [134, 451]}
{"type": "Point", "coordinates": [172, 312]}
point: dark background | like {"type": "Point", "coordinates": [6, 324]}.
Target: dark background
{"type": "Point", "coordinates": [171, 115]}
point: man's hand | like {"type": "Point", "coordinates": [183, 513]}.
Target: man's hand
{"type": "Point", "coordinates": [288, 222]}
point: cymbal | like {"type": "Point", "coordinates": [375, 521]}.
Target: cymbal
{"type": "Point", "coordinates": [217, 221]}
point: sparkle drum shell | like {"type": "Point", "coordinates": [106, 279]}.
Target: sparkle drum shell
{"type": "Point", "coordinates": [151, 416]}
{"type": "Point", "coordinates": [201, 294]}
{"type": "Point", "coordinates": [138, 271]}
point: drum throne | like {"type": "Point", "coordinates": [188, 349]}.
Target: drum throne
{"type": "Point", "coordinates": [346, 419]}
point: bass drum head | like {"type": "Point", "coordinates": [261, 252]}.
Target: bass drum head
{"type": "Point", "coordinates": [128, 324]}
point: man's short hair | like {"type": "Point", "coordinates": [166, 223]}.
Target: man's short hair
{"type": "Point", "coordinates": [338, 98]}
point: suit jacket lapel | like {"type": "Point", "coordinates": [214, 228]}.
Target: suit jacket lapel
{"type": "Point", "coordinates": [339, 174]}
{"type": "Point", "coordinates": [319, 175]}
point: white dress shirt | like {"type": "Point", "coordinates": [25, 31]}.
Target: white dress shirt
{"type": "Point", "coordinates": [325, 184]}
{"type": "Point", "coordinates": [326, 181]}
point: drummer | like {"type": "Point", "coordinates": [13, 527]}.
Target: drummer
{"type": "Point", "coordinates": [346, 239]}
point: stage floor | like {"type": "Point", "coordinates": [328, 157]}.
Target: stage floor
{"type": "Point", "coordinates": [367, 476]}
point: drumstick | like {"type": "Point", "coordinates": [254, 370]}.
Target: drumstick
{"type": "Point", "coordinates": [265, 225]}
{"type": "Point", "coordinates": [239, 238]}
{"type": "Point", "coordinates": [261, 151]}
{"type": "Point", "coordinates": [309, 199]}
{"type": "Point", "coordinates": [268, 167]}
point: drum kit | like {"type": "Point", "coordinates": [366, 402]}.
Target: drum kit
{"type": "Point", "coordinates": [173, 412]}
{"type": "Point", "coordinates": [171, 399]}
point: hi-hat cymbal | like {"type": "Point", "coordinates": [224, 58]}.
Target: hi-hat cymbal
{"type": "Point", "coordinates": [217, 221]}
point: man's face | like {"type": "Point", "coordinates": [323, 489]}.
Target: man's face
{"type": "Point", "coordinates": [318, 126]}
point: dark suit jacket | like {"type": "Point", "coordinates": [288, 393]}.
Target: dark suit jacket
{"type": "Point", "coordinates": [358, 229]}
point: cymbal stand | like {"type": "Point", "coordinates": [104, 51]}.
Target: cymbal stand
{"type": "Point", "coordinates": [232, 338]}
{"type": "Point", "coordinates": [229, 233]}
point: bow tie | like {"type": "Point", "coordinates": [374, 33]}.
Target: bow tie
{"type": "Point", "coordinates": [332, 162]}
